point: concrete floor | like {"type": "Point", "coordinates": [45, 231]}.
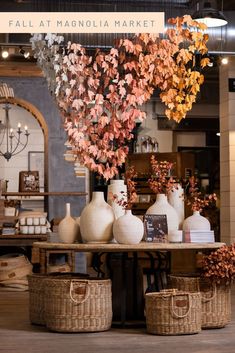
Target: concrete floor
{"type": "Point", "coordinates": [17, 335]}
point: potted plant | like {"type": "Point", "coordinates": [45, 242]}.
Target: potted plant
{"type": "Point", "coordinates": [161, 183]}
{"type": "Point", "coordinates": [128, 229]}
{"type": "Point", "coordinates": [198, 201]}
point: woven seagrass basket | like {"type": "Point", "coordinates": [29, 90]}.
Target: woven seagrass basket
{"type": "Point", "coordinates": [77, 305]}
{"type": "Point", "coordinates": [216, 298]}
{"type": "Point", "coordinates": [36, 299]}
{"type": "Point", "coordinates": [12, 261]}
{"type": "Point", "coordinates": [173, 313]}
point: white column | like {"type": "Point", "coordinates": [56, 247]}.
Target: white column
{"type": "Point", "coordinates": [227, 154]}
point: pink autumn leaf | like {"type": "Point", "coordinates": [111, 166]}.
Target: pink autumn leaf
{"type": "Point", "coordinates": [90, 94]}
{"type": "Point", "coordinates": [104, 120]}
{"type": "Point", "coordinates": [77, 135]}
{"type": "Point", "coordinates": [68, 92]}
{"type": "Point", "coordinates": [93, 150]}
{"type": "Point", "coordinates": [128, 78]}
{"type": "Point", "coordinates": [128, 45]}
{"type": "Point", "coordinates": [99, 99]}
{"type": "Point", "coordinates": [77, 104]}
{"type": "Point", "coordinates": [131, 98]}
{"type": "Point", "coordinates": [114, 52]}
{"type": "Point", "coordinates": [72, 83]}
{"type": "Point", "coordinates": [81, 89]}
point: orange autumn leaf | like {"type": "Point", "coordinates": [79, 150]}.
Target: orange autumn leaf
{"type": "Point", "coordinates": [204, 62]}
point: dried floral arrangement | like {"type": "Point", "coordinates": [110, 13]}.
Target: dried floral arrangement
{"type": "Point", "coordinates": [100, 96]}
{"type": "Point", "coordinates": [219, 266]}
{"type": "Point", "coordinates": [161, 180]}
{"type": "Point", "coordinates": [195, 198]}
{"type": "Point", "coordinates": [128, 198]}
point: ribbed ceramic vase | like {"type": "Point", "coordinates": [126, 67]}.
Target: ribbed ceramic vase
{"type": "Point", "coordinates": [162, 207]}
{"type": "Point", "coordinates": [66, 230]}
{"type": "Point", "coordinates": [176, 200]}
{"type": "Point", "coordinates": [96, 220]}
{"type": "Point", "coordinates": [128, 229]}
{"type": "Point", "coordinates": [117, 187]}
{"type": "Point", "coordinates": [196, 222]}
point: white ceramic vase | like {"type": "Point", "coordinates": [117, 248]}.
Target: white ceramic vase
{"type": "Point", "coordinates": [66, 230]}
{"type": "Point", "coordinates": [128, 229]}
{"type": "Point", "coordinates": [96, 220]}
{"type": "Point", "coordinates": [196, 222]}
{"type": "Point", "coordinates": [176, 200]}
{"type": "Point", "coordinates": [117, 187]}
{"type": "Point", "coordinates": [162, 207]}
{"type": "Point", "coordinates": [77, 230]}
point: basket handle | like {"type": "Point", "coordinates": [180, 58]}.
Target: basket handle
{"type": "Point", "coordinates": [173, 313]}
{"type": "Point", "coordinates": [86, 295]}
{"type": "Point", "coordinates": [214, 292]}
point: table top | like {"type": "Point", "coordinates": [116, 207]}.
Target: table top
{"type": "Point", "coordinates": [113, 247]}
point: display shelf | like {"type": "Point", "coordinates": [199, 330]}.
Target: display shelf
{"type": "Point", "coordinates": [19, 240]}
{"type": "Point", "coordinates": [49, 193]}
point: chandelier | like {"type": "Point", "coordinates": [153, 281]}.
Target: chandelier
{"type": "Point", "coordinates": [10, 139]}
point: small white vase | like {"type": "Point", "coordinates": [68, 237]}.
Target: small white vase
{"type": "Point", "coordinates": [196, 222]}
{"type": "Point", "coordinates": [117, 187]}
{"type": "Point", "coordinates": [128, 229]}
{"type": "Point", "coordinates": [96, 220]}
{"type": "Point", "coordinates": [176, 200]}
{"type": "Point", "coordinates": [66, 229]}
{"type": "Point", "coordinates": [162, 207]}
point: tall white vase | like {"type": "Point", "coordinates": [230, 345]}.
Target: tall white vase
{"type": "Point", "coordinates": [96, 220]}
{"type": "Point", "coordinates": [196, 222]}
{"type": "Point", "coordinates": [66, 230]}
{"type": "Point", "coordinates": [117, 187]}
{"type": "Point", "coordinates": [176, 200]}
{"type": "Point", "coordinates": [161, 207]}
{"type": "Point", "coordinates": [128, 229]}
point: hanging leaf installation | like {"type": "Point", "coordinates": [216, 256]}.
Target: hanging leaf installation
{"type": "Point", "coordinates": [100, 96]}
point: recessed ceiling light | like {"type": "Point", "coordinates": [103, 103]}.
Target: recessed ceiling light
{"type": "Point", "coordinates": [26, 54]}
{"type": "Point", "coordinates": [5, 54]}
{"type": "Point", "coordinates": [224, 61]}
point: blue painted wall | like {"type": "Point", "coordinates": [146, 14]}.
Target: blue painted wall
{"type": "Point", "coordinates": [61, 175]}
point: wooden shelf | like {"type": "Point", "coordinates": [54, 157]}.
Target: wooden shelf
{"type": "Point", "coordinates": [51, 193]}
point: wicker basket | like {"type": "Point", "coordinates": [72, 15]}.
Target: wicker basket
{"type": "Point", "coordinates": [216, 299]}
{"type": "Point", "coordinates": [12, 261]}
{"type": "Point", "coordinates": [173, 313]}
{"type": "Point", "coordinates": [78, 305]}
{"type": "Point", "coordinates": [36, 299]}
{"type": "Point", "coordinates": [37, 294]}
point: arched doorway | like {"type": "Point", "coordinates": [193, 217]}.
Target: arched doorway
{"type": "Point", "coordinates": [31, 112]}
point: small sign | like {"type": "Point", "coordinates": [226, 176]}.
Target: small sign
{"type": "Point", "coordinates": [29, 181]}
{"type": "Point", "coordinates": [231, 84]}
{"type": "Point", "coordinates": [155, 228]}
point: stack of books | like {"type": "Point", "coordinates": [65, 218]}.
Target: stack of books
{"type": "Point", "coordinates": [8, 228]}
{"type": "Point", "coordinates": [199, 236]}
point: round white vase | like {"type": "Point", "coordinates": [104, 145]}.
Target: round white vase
{"type": "Point", "coordinates": [162, 207]}
{"type": "Point", "coordinates": [128, 229]}
{"type": "Point", "coordinates": [176, 200]}
{"type": "Point", "coordinates": [117, 187]}
{"type": "Point", "coordinates": [96, 220]}
{"type": "Point", "coordinates": [66, 230]}
{"type": "Point", "coordinates": [196, 222]}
